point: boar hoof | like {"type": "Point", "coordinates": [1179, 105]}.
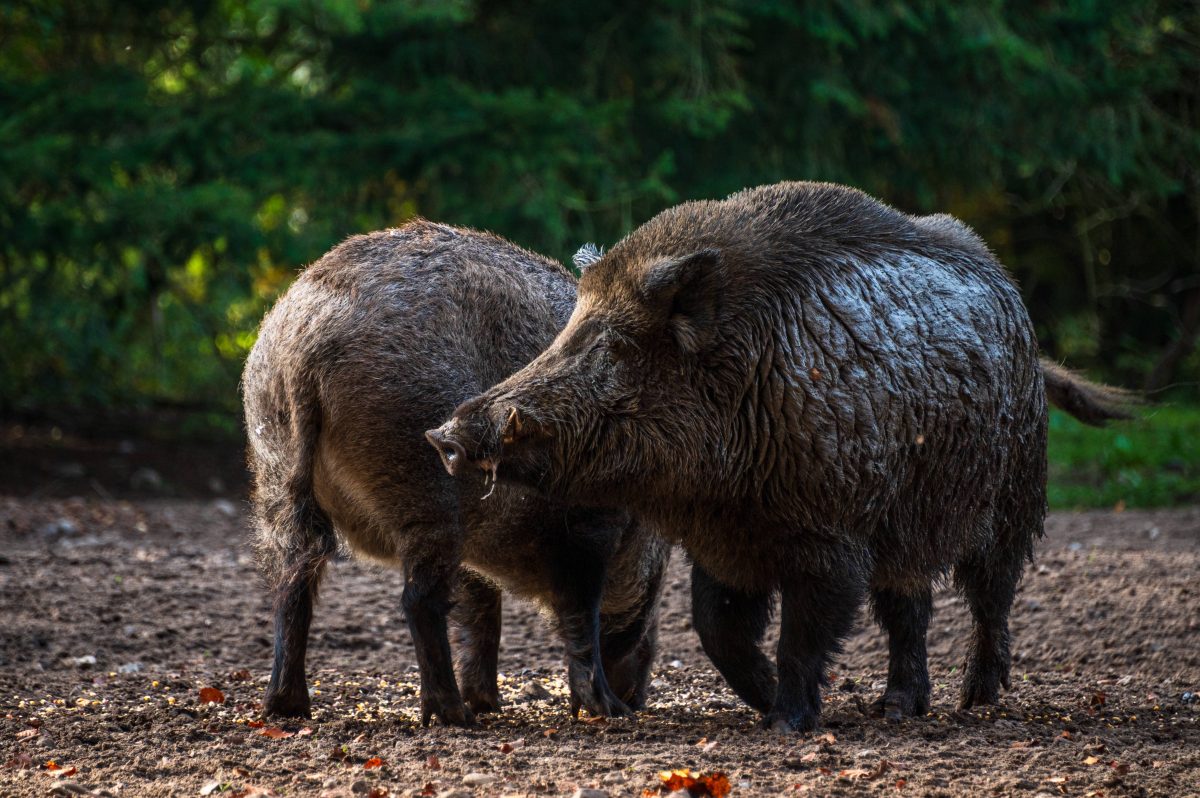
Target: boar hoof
{"type": "Point", "coordinates": [602, 704]}
{"type": "Point", "coordinates": [782, 723]}
{"type": "Point", "coordinates": [895, 705]}
{"type": "Point", "coordinates": [482, 701]}
{"type": "Point", "coordinates": [281, 705]}
{"type": "Point", "coordinates": [450, 712]}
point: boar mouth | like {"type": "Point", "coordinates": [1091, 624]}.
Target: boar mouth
{"type": "Point", "coordinates": [446, 439]}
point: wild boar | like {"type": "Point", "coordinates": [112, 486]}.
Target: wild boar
{"type": "Point", "coordinates": [374, 343]}
{"type": "Point", "coordinates": [821, 398]}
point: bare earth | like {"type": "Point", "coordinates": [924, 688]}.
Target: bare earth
{"type": "Point", "coordinates": [114, 614]}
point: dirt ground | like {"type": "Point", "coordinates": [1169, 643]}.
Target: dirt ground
{"type": "Point", "coordinates": [114, 614]}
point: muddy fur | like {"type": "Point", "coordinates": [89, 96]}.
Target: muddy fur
{"type": "Point", "coordinates": [824, 400]}
{"type": "Point", "coordinates": [372, 345]}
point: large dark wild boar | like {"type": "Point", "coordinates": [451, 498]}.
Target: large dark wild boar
{"type": "Point", "coordinates": [818, 396]}
{"type": "Point", "coordinates": [373, 344]}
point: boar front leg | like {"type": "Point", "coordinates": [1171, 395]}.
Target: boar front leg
{"type": "Point", "coordinates": [477, 616]}
{"type": "Point", "coordinates": [426, 602]}
{"type": "Point", "coordinates": [731, 624]}
{"type": "Point", "coordinates": [817, 612]}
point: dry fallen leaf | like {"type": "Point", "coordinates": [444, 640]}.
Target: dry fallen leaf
{"type": "Point", "coordinates": [241, 675]}
{"type": "Point", "coordinates": [275, 733]}
{"type": "Point", "coordinates": [372, 763]}
{"type": "Point", "coordinates": [1057, 779]}
{"type": "Point", "coordinates": [433, 763]}
{"type": "Point", "coordinates": [1091, 760]}
{"type": "Point", "coordinates": [67, 773]}
{"type": "Point", "coordinates": [304, 732]}
{"type": "Point", "coordinates": [378, 792]}
{"type": "Point", "coordinates": [255, 724]}
{"type": "Point", "coordinates": [827, 739]}
{"type": "Point", "coordinates": [52, 765]}
{"type": "Point", "coordinates": [211, 695]}
{"type": "Point", "coordinates": [25, 735]}
{"type": "Point", "coordinates": [714, 784]}
{"type": "Point", "coordinates": [900, 783]}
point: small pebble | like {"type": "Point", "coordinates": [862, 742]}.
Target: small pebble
{"type": "Point", "coordinates": [360, 786]}
{"type": "Point", "coordinates": [480, 779]}
{"type": "Point", "coordinates": [590, 792]}
{"type": "Point", "coordinates": [535, 691]}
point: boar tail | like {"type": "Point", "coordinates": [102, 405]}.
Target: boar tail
{"type": "Point", "coordinates": [1090, 402]}
{"type": "Point", "coordinates": [295, 537]}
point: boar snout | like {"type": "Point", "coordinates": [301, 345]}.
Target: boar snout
{"type": "Point", "coordinates": [454, 456]}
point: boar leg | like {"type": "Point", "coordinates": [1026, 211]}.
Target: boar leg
{"type": "Point", "coordinates": [905, 618]}
{"type": "Point", "coordinates": [816, 614]}
{"type": "Point", "coordinates": [287, 692]}
{"type": "Point", "coordinates": [628, 655]}
{"type": "Point", "coordinates": [989, 587]}
{"type": "Point", "coordinates": [426, 602]}
{"type": "Point", "coordinates": [731, 625]}
{"type": "Point", "coordinates": [477, 615]}
{"type": "Point", "coordinates": [585, 668]}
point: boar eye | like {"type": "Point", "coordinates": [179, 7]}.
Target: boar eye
{"type": "Point", "coordinates": [618, 345]}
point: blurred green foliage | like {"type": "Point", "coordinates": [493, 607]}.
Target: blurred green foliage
{"type": "Point", "coordinates": [1153, 461]}
{"type": "Point", "coordinates": [165, 167]}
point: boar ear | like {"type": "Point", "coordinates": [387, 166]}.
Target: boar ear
{"type": "Point", "coordinates": [685, 288]}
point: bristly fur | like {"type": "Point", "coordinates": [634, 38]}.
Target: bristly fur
{"type": "Point", "coordinates": [588, 254]}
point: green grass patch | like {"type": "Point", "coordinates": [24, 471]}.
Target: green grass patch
{"type": "Point", "coordinates": [1153, 461]}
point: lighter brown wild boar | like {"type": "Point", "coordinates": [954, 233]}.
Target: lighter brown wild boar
{"type": "Point", "coordinates": [823, 399]}
{"type": "Point", "coordinates": [373, 344]}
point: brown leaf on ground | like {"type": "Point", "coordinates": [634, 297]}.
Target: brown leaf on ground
{"type": "Point", "coordinates": [52, 765]}
{"type": "Point", "coordinates": [255, 724]}
{"type": "Point", "coordinates": [211, 695]}
{"type": "Point", "coordinates": [378, 792]}
{"type": "Point", "coordinates": [241, 675]}
{"type": "Point", "coordinates": [433, 763]}
{"type": "Point", "coordinates": [25, 735]}
{"type": "Point", "coordinates": [275, 733]}
{"type": "Point", "coordinates": [372, 763]}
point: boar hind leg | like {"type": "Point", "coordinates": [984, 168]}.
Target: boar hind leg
{"type": "Point", "coordinates": [426, 602]}
{"type": "Point", "coordinates": [731, 625]}
{"type": "Point", "coordinates": [905, 618]}
{"type": "Point", "coordinates": [988, 586]}
{"type": "Point", "coordinates": [295, 539]}
{"type": "Point", "coordinates": [477, 616]}
{"type": "Point", "coordinates": [816, 614]}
